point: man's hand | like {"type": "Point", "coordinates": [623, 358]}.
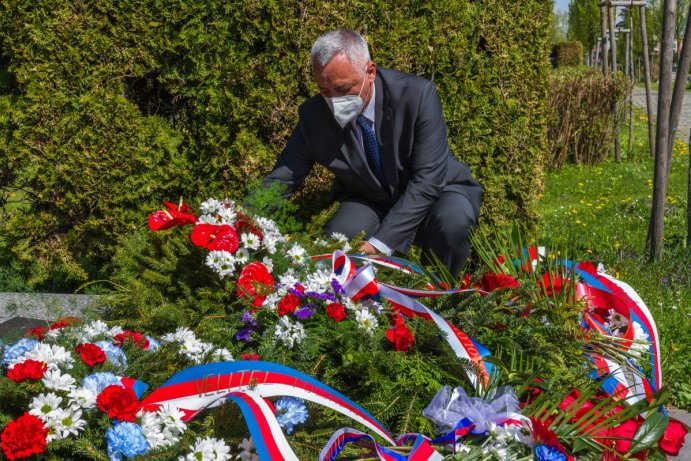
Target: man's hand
{"type": "Point", "coordinates": [368, 249]}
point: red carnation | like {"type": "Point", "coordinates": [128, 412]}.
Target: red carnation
{"type": "Point", "coordinates": [336, 311]}
{"type": "Point", "coordinates": [255, 281]}
{"type": "Point", "coordinates": [91, 354]}
{"type": "Point", "coordinates": [24, 437]}
{"type": "Point", "coordinates": [165, 219]}
{"type": "Point", "coordinates": [120, 403]}
{"type": "Point", "coordinates": [492, 281]}
{"type": "Point", "coordinates": [400, 335]}
{"type": "Point", "coordinates": [28, 369]}
{"type": "Point", "coordinates": [64, 322]}
{"type": "Point", "coordinates": [138, 338]}
{"type": "Point", "coordinates": [215, 237]}
{"type": "Point", "coordinates": [673, 438]}
{"type": "Point", "coordinates": [288, 304]}
{"type": "Point", "coordinates": [246, 356]}
{"type": "Point", "coordinates": [38, 333]}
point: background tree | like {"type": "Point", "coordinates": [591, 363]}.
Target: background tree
{"type": "Point", "coordinates": [584, 22]}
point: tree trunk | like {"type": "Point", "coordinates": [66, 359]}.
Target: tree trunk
{"type": "Point", "coordinates": [648, 90]}
{"type": "Point", "coordinates": [679, 89]}
{"type": "Point", "coordinates": [604, 53]}
{"type": "Point", "coordinates": [688, 201]}
{"type": "Point", "coordinates": [656, 229]}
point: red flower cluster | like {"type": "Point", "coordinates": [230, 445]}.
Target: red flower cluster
{"type": "Point", "coordinates": [288, 304]}
{"type": "Point", "coordinates": [120, 403]}
{"type": "Point", "coordinates": [215, 237]}
{"type": "Point", "coordinates": [138, 338]}
{"type": "Point", "coordinates": [491, 281]}
{"type": "Point", "coordinates": [165, 219]}
{"type": "Point", "coordinates": [400, 335]}
{"type": "Point", "coordinates": [39, 332]}
{"type": "Point", "coordinates": [246, 356]}
{"type": "Point", "coordinates": [24, 437]}
{"type": "Point", "coordinates": [91, 354]}
{"type": "Point", "coordinates": [336, 311]}
{"type": "Point", "coordinates": [28, 369]}
{"type": "Point", "coordinates": [255, 281]}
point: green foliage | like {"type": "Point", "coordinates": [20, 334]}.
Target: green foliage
{"type": "Point", "coordinates": [584, 107]}
{"type": "Point", "coordinates": [584, 22]}
{"type": "Point", "coordinates": [568, 54]}
{"type": "Point", "coordinates": [108, 108]}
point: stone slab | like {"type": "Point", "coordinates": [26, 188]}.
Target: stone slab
{"type": "Point", "coordinates": [47, 306]}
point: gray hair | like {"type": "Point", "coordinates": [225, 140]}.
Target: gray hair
{"type": "Point", "coordinates": [340, 42]}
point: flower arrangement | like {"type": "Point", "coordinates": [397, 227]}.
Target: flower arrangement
{"type": "Point", "coordinates": [78, 387]}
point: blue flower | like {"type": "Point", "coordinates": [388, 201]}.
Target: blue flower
{"type": "Point", "coordinates": [290, 411]}
{"type": "Point", "coordinates": [18, 349]}
{"type": "Point", "coordinates": [545, 453]}
{"type": "Point", "coordinates": [99, 381]}
{"type": "Point", "coordinates": [304, 313]}
{"type": "Point", "coordinates": [114, 354]}
{"type": "Point", "coordinates": [244, 335]}
{"type": "Point", "coordinates": [154, 345]}
{"type": "Point", "coordinates": [249, 319]}
{"type": "Point", "coordinates": [126, 439]}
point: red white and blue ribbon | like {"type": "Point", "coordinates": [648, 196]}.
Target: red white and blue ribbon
{"type": "Point", "coordinates": [204, 386]}
{"type": "Point", "coordinates": [420, 451]}
{"type": "Point", "coordinates": [362, 282]}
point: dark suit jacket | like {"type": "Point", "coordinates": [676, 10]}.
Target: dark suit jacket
{"type": "Point", "coordinates": [411, 133]}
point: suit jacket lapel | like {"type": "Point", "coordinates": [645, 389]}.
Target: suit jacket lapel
{"type": "Point", "coordinates": [384, 128]}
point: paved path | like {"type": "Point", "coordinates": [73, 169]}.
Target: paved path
{"type": "Point", "coordinates": [684, 127]}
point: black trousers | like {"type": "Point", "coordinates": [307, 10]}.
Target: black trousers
{"type": "Point", "coordinates": [443, 232]}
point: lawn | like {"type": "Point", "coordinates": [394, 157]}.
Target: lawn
{"type": "Point", "coordinates": [600, 213]}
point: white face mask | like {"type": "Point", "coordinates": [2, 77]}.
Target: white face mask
{"type": "Point", "coordinates": [346, 108]}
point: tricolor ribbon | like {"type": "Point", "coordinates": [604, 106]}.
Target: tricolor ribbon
{"type": "Point", "coordinates": [362, 282]}
{"type": "Point", "coordinates": [421, 450]}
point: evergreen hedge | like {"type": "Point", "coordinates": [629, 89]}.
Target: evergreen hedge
{"type": "Point", "coordinates": [568, 54]}
{"type": "Point", "coordinates": [109, 107]}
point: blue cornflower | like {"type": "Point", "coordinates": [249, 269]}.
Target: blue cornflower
{"type": "Point", "coordinates": [545, 453]}
{"type": "Point", "coordinates": [126, 439]}
{"type": "Point", "coordinates": [305, 312]}
{"type": "Point", "coordinates": [114, 354]}
{"type": "Point", "coordinates": [290, 411]}
{"type": "Point", "coordinates": [18, 349]}
{"type": "Point", "coordinates": [249, 319]}
{"type": "Point", "coordinates": [154, 345]}
{"type": "Point", "coordinates": [96, 382]}
{"type": "Point", "coordinates": [244, 335]}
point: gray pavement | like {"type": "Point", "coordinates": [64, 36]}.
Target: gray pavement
{"type": "Point", "coordinates": [684, 127]}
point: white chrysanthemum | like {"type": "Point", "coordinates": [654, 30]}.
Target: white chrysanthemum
{"type": "Point", "coordinates": [321, 242]}
{"type": "Point", "coordinates": [221, 262]}
{"type": "Point", "coordinates": [242, 256]}
{"type": "Point", "coordinates": [43, 406]}
{"type": "Point", "coordinates": [221, 355]}
{"type": "Point", "coordinates": [50, 354]}
{"type": "Point", "coordinates": [296, 254]}
{"type": "Point", "coordinates": [268, 226]}
{"type": "Point", "coordinates": [226, 215]}
{"type": "Point", "coordinates": [289, 333]}
{"type": "Point", "coordinates": [53, 334]}
{"type": "Point", "coordinates": [319, 280]}
{"type": "Point", "coordinates": [54, 379]}
{"type": "Point", "coordinates": [65, 422]}
{"type": "Point", "coordinates": [271, 301]}
{"type": "Point", "coordinates": [208, 449]}
{"type": "Point", "coordinates": [210, 206]}
{"type": "Point", "coordinates": [288, 278]}
{"type": "Point", "coordinates": [207, 219]}
{"type": "Point", "coordinates": [114, 331]}
{"type": "Point", "coordinates": [150, 423]}
{"type": "Point", "coordinates": [82, 397]}
{"type": "Point", "coordinates": [250, 241]}
{"type": "Point", "coordinates": [638, 349]}
{"type": "Point", "coordinates": [171, 417]}
{"type": "Point", "coordinates": [342, 239]}
{"type": "Point", "coordinates": [366, 320]}
{"type": "Point", "coordinates": [248, 452]}
{"type": "Point", "coordinates": [181, 334]}
{"type": "Point", "coordinates": [270, 242]}
{"type": "Point", "coordinates": [92, 330]}
{"type": "Point", "coordinates": [268, 262]}
{"type": "Point", "coordinates": [351, 305]}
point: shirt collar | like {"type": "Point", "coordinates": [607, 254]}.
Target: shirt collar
{"type": "Point", "coordinates": [369, 110]}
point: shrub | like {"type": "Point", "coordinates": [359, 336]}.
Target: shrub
{"type": "Point", "coordinates": [585, 107]}
{"type": "Point", "coordinates": [111, 107]}
{"type": "Point", "coordinates": [568, 54]}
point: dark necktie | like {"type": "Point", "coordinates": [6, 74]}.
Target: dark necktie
{"type": "Point", "coordinates": [371, 148]}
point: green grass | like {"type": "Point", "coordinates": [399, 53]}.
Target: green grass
{"type": "Point", "coordinates": [601, 214]}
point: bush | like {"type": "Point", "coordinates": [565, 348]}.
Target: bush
{"type": "Point", "coordinates": [568, 54]}
{"type": "Point", "coordinates": [585, 107]}
{"type": "Point", "coordinates": [111, 107]}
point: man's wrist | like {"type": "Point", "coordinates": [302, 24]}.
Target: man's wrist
{"type": "Point", "coordinates": [380, 246]}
